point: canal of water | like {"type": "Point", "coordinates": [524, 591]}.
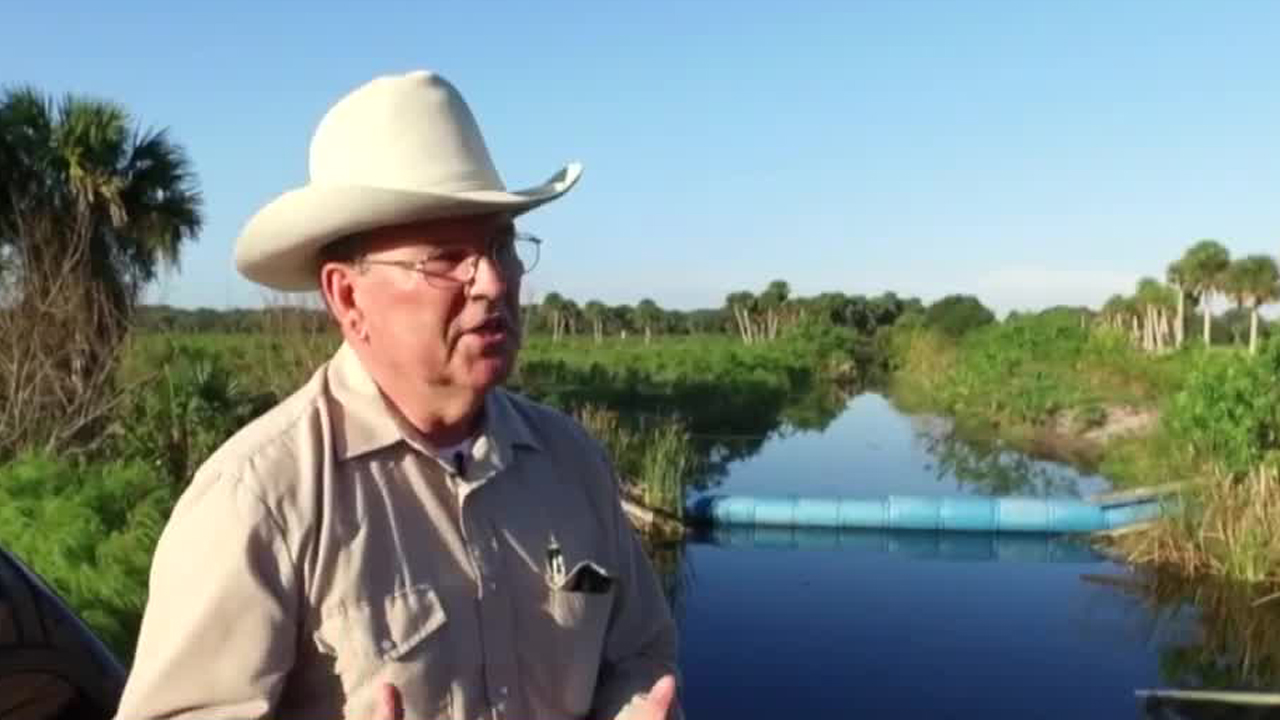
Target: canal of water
{"type": "Point", "coordinates": [922, 625]}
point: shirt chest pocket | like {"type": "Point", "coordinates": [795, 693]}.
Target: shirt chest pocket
{"type": "Point", "coordinates": [580, 591]}
{"type": "Point", "coordinates": [398, 639]}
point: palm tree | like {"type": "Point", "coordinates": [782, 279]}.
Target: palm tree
{"type": "Point", "coordinates": [1124, 314]}
{"type": "Point", "coordinates": [1177, 280]}
{"type": "Point", "coordinates": [87, 195]}
{"type": "Point", "coordinates": [1114, 311]}
{"type": "Point", "coordinates": [621, 318]}
{"type": "Point", "coordinates": [91, 209]}
{"type": "Point", "coordinates": [1201, 269]}
{"type": "Point", "coordinates": [554, 305]}
{"type": "Point", "coordinates": [741, 305]}
{"type": "Point", "coordinates": [772, 301]}
{"type": "Point", "coordinates": [1253, 281]}
{"type": "Point", "coordinates": [1153, 300]}
{"type": "Point", "coordinates": [572, 313]}
{"type": "Point", "coordinates": [595, 312]}
{"type": "Point", "coordinates": [1234, 285]}
{"type": "Point", "coordinates": [648, 313]}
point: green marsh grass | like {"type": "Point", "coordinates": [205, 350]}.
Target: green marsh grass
{"type": "Point", "coordinates": [1224, 527]}
{"type": "Point", "coordinates": [656, 463]}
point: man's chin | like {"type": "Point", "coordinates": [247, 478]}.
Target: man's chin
{"type": "Point", "coordinates": [486, 373]}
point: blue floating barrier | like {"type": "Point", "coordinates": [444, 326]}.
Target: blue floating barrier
{"type": "Point", "coordinates": [897, 512]}
{"type": "Point", "coordinates": [968, 513]}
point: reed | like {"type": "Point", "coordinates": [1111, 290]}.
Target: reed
{"type": "Point", "coordinates": [656, 462]}
{"type": "Point", "coordinates": [666, 462]}
{"type": "Point", "coordinates": [1226, 528]}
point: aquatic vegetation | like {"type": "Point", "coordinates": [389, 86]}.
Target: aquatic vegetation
{"type": "Point", "coordinates": [1225, 527]}
{"type": "Point", "coordinates": [1237, 644]}
{"type": "Point", "coordinates": [656, 462]}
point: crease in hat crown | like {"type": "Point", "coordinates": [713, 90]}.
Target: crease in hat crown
{"type": "Point", "coordinates": [397, 149]}
{"type": "Point", "coordinates": [364, 139]}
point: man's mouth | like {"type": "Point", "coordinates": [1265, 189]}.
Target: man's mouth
{"type": "Point", "coordinates": [493, 327]}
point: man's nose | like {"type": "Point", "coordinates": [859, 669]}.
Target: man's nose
{"type": "Point", "coordinates": [489, 279]}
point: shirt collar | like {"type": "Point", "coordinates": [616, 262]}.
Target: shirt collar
{"type": "Point", "coordinates": [364, 421]}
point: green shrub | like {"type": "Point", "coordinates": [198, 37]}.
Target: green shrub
{"type": "Point", "coordinates": [191, 405]}
{"type": "Point", "coordinates": [1019, 371]}
{"type": "Point", "coordinates": [89, 530]}
{"type": "Point", "coordinates": [957, 315]}
{"type": "Point", "coordinates": [1228, 412]}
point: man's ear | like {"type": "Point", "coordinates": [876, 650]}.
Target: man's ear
{"type": "Point", "coordinates": [338, 287]}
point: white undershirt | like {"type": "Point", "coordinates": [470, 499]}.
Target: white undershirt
{"type": "Point", "coordinates": [456, 457]}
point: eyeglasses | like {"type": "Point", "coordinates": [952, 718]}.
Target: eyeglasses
{"type": "Point", "coordinates": [452, 267]}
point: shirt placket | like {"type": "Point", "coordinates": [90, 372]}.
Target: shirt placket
{"type": "Point", "coordinates": [493, 598]}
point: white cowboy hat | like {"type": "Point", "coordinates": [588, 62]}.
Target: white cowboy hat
{"type": "Point", "coordinates": [401, 148]}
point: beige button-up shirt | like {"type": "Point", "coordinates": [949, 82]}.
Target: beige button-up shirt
{"type": "Point", "coordinates": [322, 551]}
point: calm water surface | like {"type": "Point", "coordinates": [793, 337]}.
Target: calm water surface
{"type": "Point", "coordinates": [873, 450]}
{"type": "Point", "coordinates": [917, 625]}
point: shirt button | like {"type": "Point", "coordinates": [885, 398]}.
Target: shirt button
{"type": "Point", "coordinates": [502, 691]}
{"type": "Point", "coordinates": [388, 644]}
{"type": "Point", "coordinates": [493, 586]}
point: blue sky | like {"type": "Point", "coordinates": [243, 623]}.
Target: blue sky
{"type": "Point", "coordinates": [1028, 152]}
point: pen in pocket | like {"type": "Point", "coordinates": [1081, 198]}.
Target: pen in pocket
{"type": "Point", "coordinates": [555, 562]}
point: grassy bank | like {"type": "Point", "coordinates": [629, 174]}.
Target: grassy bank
{"type": "Point", "coordinates": [1056, 387]}
{"type": "Point", "coordinates": [1050, 385]}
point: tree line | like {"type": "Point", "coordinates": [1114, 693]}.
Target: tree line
{"type": "Point", "coordinates": [1155, 315]}
{"type": "Point", "coordinates": [752, 317]}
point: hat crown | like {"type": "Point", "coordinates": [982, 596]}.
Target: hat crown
{"type": "Point", "coordinates": [404, 132]}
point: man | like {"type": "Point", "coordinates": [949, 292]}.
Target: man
{"type": "Point", "coordinates": [401, 537]}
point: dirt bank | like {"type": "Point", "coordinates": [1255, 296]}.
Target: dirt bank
{"type": "Point", "coordinates": [1080, 436]}
{"type": "Point", "coordinates": [1101, 424]}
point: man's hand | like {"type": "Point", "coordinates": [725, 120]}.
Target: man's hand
{"type": "Point", "coordinates": [658, 701]}
{"type": "Point", "coordinates": [653, 707]}
{"type": "Point", "coordinates": [389, 705]}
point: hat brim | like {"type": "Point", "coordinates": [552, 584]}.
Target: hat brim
{"type": "Point", "coordinates": [280, 245]}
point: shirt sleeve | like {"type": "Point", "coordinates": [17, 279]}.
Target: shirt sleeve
{"type": "Point", "coordinates": [641, 645]}
{"type": "Point", "coordinates": [218, 632]}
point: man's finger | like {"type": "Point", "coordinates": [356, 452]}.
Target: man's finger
{"type": "Point", "coordinates": [389, 705]}
{"type": "Point", "coordinates": [658, 701]}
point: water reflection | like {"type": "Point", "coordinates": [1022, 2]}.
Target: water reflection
{"type": "Point", "coordinates": [674, 573]}
{"type": "Point", "coordinates": [725, 439]}
{"type": "Point", "coordinates": [870, 448]}
{"type": "Point", "coordinates": [814, 410]}
{"type": "Point", "coordinates": [987, 466]}
{"type": "Point", "coordinates": [729, 426]}
{"type": "Point", "coordinates": [1237, 645]}
{"type": "Point", "coordinates": [908, 544]}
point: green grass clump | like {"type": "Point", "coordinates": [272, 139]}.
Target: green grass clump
{"type": "Point", "coordinates": [89, 530]}
{"type": "Point", "coordinates": [1224, 527]}
{"type": "Point", "coordinates": [656, 462]}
